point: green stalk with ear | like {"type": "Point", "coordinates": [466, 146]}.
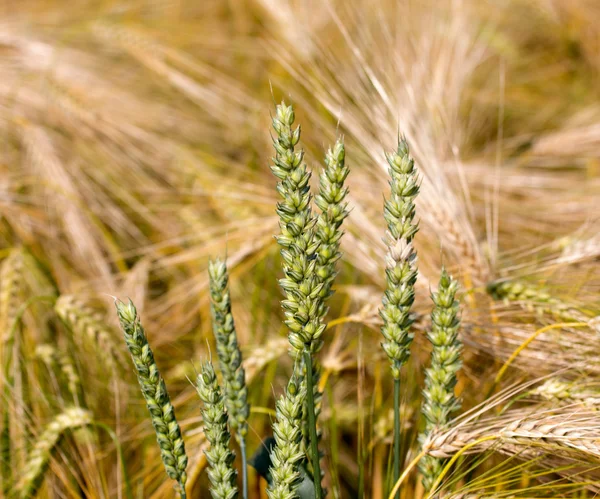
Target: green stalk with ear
{"type": "Point", "coordinates": [154, 390]}
{"type": "Point", "coordinates": [230, 359]}
{"type": "Point", "coordinates": [400, 272]}
{"type": "Point", "coordinates": [440, 376]}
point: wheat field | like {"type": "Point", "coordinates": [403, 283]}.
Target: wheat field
{"type": "Point", "coordinates": [410, 306]}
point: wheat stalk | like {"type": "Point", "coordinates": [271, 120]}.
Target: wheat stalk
{"type": "Point", "coordinates": [220, 458]}
{"type": "Point", "coordinates": [230, 358]}
{"type": "Point", "coordinates": [154, 390]}
{"type": "Point", "coordinates": [301, 285]}
{"type": "Point", "coordinates": [401, 273]}
{"type": "Point", "coordinates": [39, 456]}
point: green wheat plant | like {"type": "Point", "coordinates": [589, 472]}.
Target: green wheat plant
{"type": "Point", "coordinates": [230, 359]}
{"type": "Point", "coordinates": [154, 390]}
{"type": "Point", "coordinates": [401, 273]}
{"type": "Point", "coordinates": [440, 401]}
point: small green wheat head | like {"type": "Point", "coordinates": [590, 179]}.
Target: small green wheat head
{"type": "Point", "coordinates": [440, 377]}
{"type": "Point", "coordinates": [334, 210]}
{"type": "Point", "coordinates": [39, 456]}
{"type": "Point", "coordinates": [401, 258]}
{"type": "Point", "coordinates": [154, 390]}
{"type": "Point", "coordinates": [228, 350]}
{"type": "Point", "coordinates": [287, 454]}
{"type": "Point", "coordinates": [88, 327]}
{"type": "Point", "coordinates": [220, 458]}
{"type": "Point", "coordinates": [297, 238]}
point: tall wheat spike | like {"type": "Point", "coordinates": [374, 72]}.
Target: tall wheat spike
{"type": "Point", "coordinates": [400, 272]}
{"type": "Point", "coordinates": [154, 390]}
{"type": "Point", "coordinates": [440, 377]}
{"type": "Point", "coordinates": [230, 358]}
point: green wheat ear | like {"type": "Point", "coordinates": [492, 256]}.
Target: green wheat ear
{"type": "Point", "coordinates": [220, 458]}
{"type": "Point", "coordinates": [228, 350]}
{"type": "Point", "coordinates": [287, 454]}
{"type": "Point", "coordinates": [440, 377]}
{"type": "Point", "coordinates": [400, 273]}
{"type": "Point", "coordinates": [154, 390]}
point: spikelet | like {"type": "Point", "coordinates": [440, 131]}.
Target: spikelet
{"type": "Point", "coordinates": [220, 458]}
{"type": "Point", "coordinates": [39, 456]}
{"type": "Point", "coordinates": [401, 258]}
{"type": "Point", "coordinates": [230, 356]}
{"type": "Point", "coordinates": [88, 327]}
{"type": "Point", "coordinates": [440, 376]}
{"type": "Point", "coordinates": [287, 452]}
{"type": "Point", "coordinates": [154, 390]}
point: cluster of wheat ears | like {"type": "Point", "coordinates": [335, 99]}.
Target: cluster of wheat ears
{"type": "Point", "coordinates": [458, 357]}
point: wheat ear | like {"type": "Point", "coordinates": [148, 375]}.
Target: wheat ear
{"type": "Point", "coordinates": [154, 390]}
{"type": "Point", "coordinates": [39, 456]}
{"type": "Point", "coordinates": [299, 247]}
{"type": "Point", "coordinates": [401, 273]}
{"type": "Point", "coordinates": [569, 432]}
{"type": "Point", "coordinates": [220, 458]}
{"type": "Point", "coordinates": [534, 298]}
{"type": "Point", "coordinates": [88, 326]}
{"type": "Point", "coordinates": [287, 454]}
{"type": "Point", "coordinates": [11, 295]}
{"type": "Point", "coordinates": [50, 356]}
{"type": "Point", "coordinates": [440, 376]}
{"type": "Point", "coordinates": [230, 359]}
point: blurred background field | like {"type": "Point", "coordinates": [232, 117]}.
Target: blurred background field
{"type": "Point", "coordinates": [134, 146]}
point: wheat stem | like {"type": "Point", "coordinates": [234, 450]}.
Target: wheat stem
{"type": "Point", "coordinates": [401, 272]}
{"type": "Point", "coordinates": [312, 426]}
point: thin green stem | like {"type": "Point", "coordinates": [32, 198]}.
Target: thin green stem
{"type": "Point", "coordinates": [312, 425]}
{"type": "Point", "coordinates": [182, 492]}
{"type": "Point", "coordinates": [396, 432]}
{"type": "Point", "coordinates": [242, 441]}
